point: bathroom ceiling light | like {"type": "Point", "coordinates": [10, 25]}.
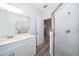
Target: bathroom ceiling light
{"type": "Point", "coordinates": [45, 6]}
{"type": "Point", "coordinates": [9, 8]}
{"type": "Point", "coordinates": [67, 5]}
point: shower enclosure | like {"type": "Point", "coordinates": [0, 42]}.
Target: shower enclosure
{"type": "Point", "coordinates": [65, 24]}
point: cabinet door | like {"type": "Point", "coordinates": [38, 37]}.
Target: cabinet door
{"type": "Point", "coordinates": [28, 48]}
{"type": "Point", "coordinates": [32, 47]}
{"type": "Point", "coordinates": [7, 53]}
{"type": "Point", "coordinates": [21, 51]}
{"type": "Point", "coordinates": [21, 48]}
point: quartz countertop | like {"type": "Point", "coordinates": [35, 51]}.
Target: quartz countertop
{"type": "Point", "coordinates": [15, 38]}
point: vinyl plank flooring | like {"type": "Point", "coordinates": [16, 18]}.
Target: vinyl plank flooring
{"type": "Point", "coordinates": [43, 49]}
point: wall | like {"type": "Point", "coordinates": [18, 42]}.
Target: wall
{"type": "Point", "coordinates": [67, 19]}
{"type": "Point", "coordinates": [30, 11]}
{"type": "Point", "coordinates": [34, 15]}
{"type": "Point", "coordinates": [47, 14]}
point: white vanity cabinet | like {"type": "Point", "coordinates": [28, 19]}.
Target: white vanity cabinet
{"type": "Point", "coordinates": [26, 47]}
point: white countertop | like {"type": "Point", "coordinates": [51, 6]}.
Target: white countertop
{"type": "Point", "coordinates": [16, 37]}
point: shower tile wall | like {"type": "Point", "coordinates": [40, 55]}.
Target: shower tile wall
{"type": "Point", "coordinates": [67, 30]}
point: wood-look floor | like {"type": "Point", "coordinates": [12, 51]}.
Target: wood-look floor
{"type": "Point", "coordinates": [43, 49]}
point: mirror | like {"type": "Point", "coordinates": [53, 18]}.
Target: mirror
{"type": "Point", "coordinates": [22, 24]}
{"type": "Point", "coordinates": [11, 23]}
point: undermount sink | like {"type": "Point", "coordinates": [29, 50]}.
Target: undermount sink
{"type": "Point", "coordinates": [10, 36]}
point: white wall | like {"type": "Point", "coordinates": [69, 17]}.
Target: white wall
{"type": "Point", "coordinates": [67, 43]}
{"type": "Point", "coordinates": [34, 14]}
{"type": "Point", "coordinates": [47, 14]}
{"type": "Point", "coordinates": [29, 11]}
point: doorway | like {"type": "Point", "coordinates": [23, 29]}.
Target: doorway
{"type": "Point", "coordinates": [47, 28]}
{"type": "Point", "coordinates": [43, 48]}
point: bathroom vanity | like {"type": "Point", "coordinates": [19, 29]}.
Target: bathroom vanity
{"type": "Point", "coordinates": [18, 45]}
{"type": "Point", "coordinates": [16, 40]}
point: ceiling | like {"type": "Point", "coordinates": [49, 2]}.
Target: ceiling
{"type": "Point", "coordinates": [40, 6]}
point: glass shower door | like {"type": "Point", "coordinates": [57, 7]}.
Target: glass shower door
{"type": "Point", "coordinates": [66, 30]}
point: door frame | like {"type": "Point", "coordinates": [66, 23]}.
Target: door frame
{"type": "Point", "coordinates": [36, 28]}
{"type": "Point", "coordinates": [53, 26]}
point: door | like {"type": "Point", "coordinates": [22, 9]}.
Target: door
{"type": "Point", "coordinates": [39, 30]}
{"type": "Point", "coordinates": [66, 30]}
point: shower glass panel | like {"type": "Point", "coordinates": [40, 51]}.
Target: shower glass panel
{"type": "Point", "coordinates": [67, 30]}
